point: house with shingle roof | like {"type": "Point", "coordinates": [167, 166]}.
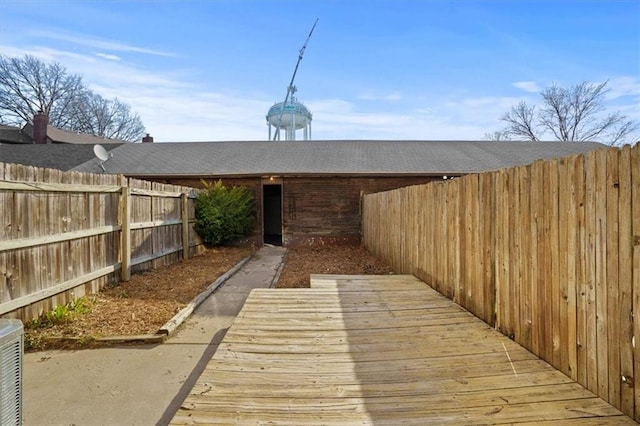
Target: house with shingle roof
{"type": "Point", "coordinates": [39, 131]}
{"type": "Point", "coordinates": [37, 140]}
{"type": "Point", "coordinates": [52, 156]}
{"type": "Point", "coordinates": [310, 192]}
{"type": "Point", "coordinates": [56, 135]}
{"type": "Point", "coordinates": [305, 192]}
{"type": "Point", "coordinates": [11, 134]}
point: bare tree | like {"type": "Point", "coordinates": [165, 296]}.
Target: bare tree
{"type": "Point", "coordinates": [111, 119]}
{"type": "Point", "coordinates": [29, 85]}
{"type": "Point", "coordinates": [496, 136]}
{"type": "Point", "coordinates": [569, 114]}
{"type": "Point", "coordinates": [521, 122]}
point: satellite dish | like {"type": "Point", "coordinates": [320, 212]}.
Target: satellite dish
{"type": "Point", "coordinates": [100, 152]}
{"type": "Point", "coordinates": [102, 155]}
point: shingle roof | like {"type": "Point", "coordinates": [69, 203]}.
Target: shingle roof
{"type": "Point", "coordinates": [65, 136]}
{"type": "Point", "coordinates": [10, 134]}
{"type": "Point", "coordinates": [24, 135]}
{"type": "Point", "coordinates": [55, 156]}
{"type": "Point", "coordinates": [345, 157]}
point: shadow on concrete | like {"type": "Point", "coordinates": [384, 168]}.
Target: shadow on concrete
{"type": "Point", "coordinates": [188, 384]}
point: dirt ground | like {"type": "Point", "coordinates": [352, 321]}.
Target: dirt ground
{"type": "Point", "coordinates": [146, 302]}
{"type": "Point", "coordinates": [346, 260]}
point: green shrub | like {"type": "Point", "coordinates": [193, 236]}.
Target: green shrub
{"type": "Point", "coordinates": [223, 213]}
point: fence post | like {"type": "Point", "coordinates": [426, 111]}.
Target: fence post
{"type": "Point", "coordinates": [185, 226]}
{"type": "Point", "coordinates": [125, 222]}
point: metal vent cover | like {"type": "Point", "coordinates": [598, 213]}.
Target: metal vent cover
{"type": "Point", "coordinates": [11, 353]}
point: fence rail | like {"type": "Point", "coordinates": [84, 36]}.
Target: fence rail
{"type": "Point", "coordinates": [63, 235]}
{"type": "Point", "coordinates": [547, 253]}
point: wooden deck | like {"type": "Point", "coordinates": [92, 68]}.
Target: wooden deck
{"type": "Point", "coordinates": [378, 350]}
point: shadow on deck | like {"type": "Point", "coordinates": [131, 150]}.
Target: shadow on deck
{"type": "Point", "coordinates": [378, 350]}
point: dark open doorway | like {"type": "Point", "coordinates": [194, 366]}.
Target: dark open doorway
{"type": "Point", "coordinates": [272, 214]}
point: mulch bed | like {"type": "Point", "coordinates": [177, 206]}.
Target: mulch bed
{"type": "Point", "coordinates": [146, 302]}
{"type": "Point", "coordinates": [139, 306]}
{"type": "Point", "coordinates": [344, 260]}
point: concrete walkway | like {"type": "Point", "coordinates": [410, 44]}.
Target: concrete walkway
{"type": "Point", "coordinates": [145, 384]}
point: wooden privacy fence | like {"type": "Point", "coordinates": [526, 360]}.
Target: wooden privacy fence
{"type": "Point", "coordinates": [64, 235]}
{"type": "Point", "coordinates": [547, 253]}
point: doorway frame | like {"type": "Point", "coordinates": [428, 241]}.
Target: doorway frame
{"type": "Point", "coordinates": [272, 181]}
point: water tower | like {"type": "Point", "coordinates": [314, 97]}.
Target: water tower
{"type": "Point", "coordinates": [289, 116]}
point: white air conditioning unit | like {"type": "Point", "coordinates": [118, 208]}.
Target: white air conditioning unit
{"type": "Point", "coordinates": [11, 352]}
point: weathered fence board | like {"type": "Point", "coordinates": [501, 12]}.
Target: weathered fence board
{"type": "Point", "coordinates": [602, 351]}
{"type": "Point", "coordinates": [625, 284]}
{"type": "Point", "coordinates": [635, 273]}
{"type": "Point", "coordinates": [612, 278]}
{"type": "Point", "coordinates": [66, 234]}
{"type": "Point", "coordinates": [549, 254]}
{"type": "Point", "coordinates": [591, 227]}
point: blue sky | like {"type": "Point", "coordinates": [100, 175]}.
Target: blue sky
{"type": "Point", "coordinates": [208, 70]}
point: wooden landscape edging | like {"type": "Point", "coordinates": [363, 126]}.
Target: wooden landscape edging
{"type": "Point", "coordinates": [65, 234]}
{"type": "Point", "coordinates": [170, 326]}
{"type": "Point", "coordinates": [548, 254]}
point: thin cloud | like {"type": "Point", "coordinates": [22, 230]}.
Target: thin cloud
{"type": "Point", "coordinates": [331, 105]}
{"type": "Point", "coordinates": [48, 54]}
{"type": "Point", "coordinates": [94, 43]}
{"type": "Point", "coordinates": [389, 97]}
{"type": "Point", "coordinates": [108, 56]}
{"type": "Point", "coordinates": [527, 86]}
{"type": "Point", "coordinates": [101, 73]}
{"type": "Point", "coordinates": [175, 107]}
{"type": "Point", "coordinates": [467, 118]}
{"type": "Point", "coordinates": [389, 125]}
{"type": "Point", "coordinates": [623, 86]}
{"type": "Point", "coordinates": [173, 115]}
{"type": "Point", "coordinates": [176, 116]}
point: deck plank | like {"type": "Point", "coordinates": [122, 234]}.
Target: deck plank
{"type": "Point", "coordinates": [378, 350]}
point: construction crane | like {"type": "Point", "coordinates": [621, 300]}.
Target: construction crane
{"type": "Point", "coordinates": [291, 88]}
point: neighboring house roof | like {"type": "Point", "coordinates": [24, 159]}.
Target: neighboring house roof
{"type": "Point", "coordinates": [10, 134]}
{"type": "Point", "coordinates": [65, 136]}
{"type": "Point", "coordinates": [24, 135]}
{"type": "Point", "coordinates": [56, 135]}
{"type": "Point", "coordinates": [55, 156]}
{"type": "Point", "coordinates": [343, 157]}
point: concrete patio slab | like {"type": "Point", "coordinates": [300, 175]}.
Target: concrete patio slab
{"type": "Point", "coordinates": [141, 384]}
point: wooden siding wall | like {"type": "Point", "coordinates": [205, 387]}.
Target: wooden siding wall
{"type": "Point", "coordinates": [62, 234]}
{"type": "Point", "coordinates": [547, 253]}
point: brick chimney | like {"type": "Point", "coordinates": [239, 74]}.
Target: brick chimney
{"type": "Point", "coordinates": [147, 139]}
{"type": "Point", "coordinates": [40, 123]}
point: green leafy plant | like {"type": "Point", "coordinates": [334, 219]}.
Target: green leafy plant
{"type": "Point", "coordinates": [61, 314]}
{"type": "Point", "coordinates": [223, 213]}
